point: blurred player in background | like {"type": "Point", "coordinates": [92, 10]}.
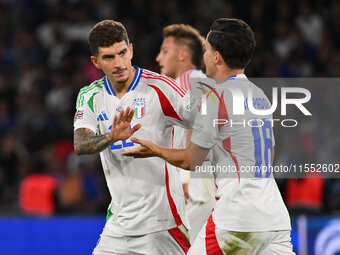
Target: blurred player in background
{"type": "Point", "coordinates": [249, 216]}
{"type": "Point", "coordinates": [147, 212]}
{"type": "Point", "coordinates": [181, 57]}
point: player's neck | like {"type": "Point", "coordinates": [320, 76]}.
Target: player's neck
{"type": "Point", "coordinates": [183, 68]}
{"type": "Point", "coordinates": [225, 72]}
{"type": "Point", "coordinates": [121, 88]}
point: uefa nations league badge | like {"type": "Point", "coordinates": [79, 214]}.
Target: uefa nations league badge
{"type": "Point", "coordinates": [139, 107]}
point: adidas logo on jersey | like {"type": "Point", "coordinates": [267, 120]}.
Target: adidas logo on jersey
{"type": "Point", "coordinates": [102, 116]}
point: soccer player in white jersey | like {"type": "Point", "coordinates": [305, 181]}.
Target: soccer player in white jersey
{"type": "Point", "coordinates": [147, 212]}
{"type": "Point", "coordinates": [249, 216]}
{"type": "Point", "coordinates": [180, 57]}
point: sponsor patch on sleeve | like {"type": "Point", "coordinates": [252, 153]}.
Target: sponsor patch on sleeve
{"type": "Point", "coordinates": [79, 115]}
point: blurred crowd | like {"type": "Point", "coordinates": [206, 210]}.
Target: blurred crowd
{"type": "Point", "coordinates": [44, 61]}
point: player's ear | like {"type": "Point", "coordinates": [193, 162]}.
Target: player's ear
{"type": "Point", "coordinates": [131, 50]}
{"type": "Point", "coordinates": [94, 60]}
{"type": "Point", "coordinates": [183, 53]}
{"type": "Point", "coordinates": [218, 58]}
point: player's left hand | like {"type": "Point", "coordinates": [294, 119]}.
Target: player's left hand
{"type": "Point", "coordinates": [121, 126]}
{"type": "Point", "coordinates": [146, 150]}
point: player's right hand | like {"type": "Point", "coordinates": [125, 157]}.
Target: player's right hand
{"type": "Point", "coordinates": [145, 150]}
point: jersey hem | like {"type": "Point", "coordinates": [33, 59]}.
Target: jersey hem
{"type": "Point", "coordinates": [136, 233]}
{"type": "Point", "coordinates": [236, 229]}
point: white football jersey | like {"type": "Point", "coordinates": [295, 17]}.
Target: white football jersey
{"type": "Point", "coordinates": [146, 194]}
{"type": "Point", "coordinates": [248, 199]}
{"type": "Point", "coordinates": [200, 189]}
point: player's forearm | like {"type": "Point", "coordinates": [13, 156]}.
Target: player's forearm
{"type": "Point", "coordinates": [176, 157]}
{"type": "Point", "coordinates": [86, 142]}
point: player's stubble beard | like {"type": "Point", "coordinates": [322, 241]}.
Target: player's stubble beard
{"type": "Point", "coordinates": [123, 81]}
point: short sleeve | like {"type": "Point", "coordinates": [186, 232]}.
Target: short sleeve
{"type": "Point", "coordinates": [174, 101]}
{"type": "Point", "coordinates": [204, 129]}
{"type": "Point", "coordinates": [183, 111]}
{"type": "Point", "coordinates": [84, 116]}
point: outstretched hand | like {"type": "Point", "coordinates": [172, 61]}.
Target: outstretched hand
{"type": "Point", "coordinates": [121, 126]}
{"type": "Point", "coordinates": [145, 150]}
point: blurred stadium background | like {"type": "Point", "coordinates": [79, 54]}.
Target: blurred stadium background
{"type": "Point", "coordinates": [44, 61]}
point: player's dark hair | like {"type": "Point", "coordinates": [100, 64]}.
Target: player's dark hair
{"type": "Point", "coordinates": [234, 39]}
{"type": "Point", "coordinates": [105, 34]}
{"type": "Point", "coordinates": [190, 37]}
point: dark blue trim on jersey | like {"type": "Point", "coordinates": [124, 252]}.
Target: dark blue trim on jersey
{"type": "Point", "coordinates": [108, 86]}
{"type": "Point", "coordinates": [132, 86]}
{"type": "Point", "coordinates": [230, 78]}
{"type": "Point", "coordinates": [135, 79]}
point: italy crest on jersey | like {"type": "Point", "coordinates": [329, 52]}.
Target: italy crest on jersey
{"type": "Point", "coordinates": [140, 107]}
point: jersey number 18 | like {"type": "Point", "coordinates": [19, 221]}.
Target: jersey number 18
{"type": "Point", "coordinates": [262, 131]}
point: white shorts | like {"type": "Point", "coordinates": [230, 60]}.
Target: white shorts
{"type": "Point", "coordinates": [198, 213]}
{"type": "Point", "coordinates": [168, 242]}
{"type": "Point", "coordinates": [213, 241]}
